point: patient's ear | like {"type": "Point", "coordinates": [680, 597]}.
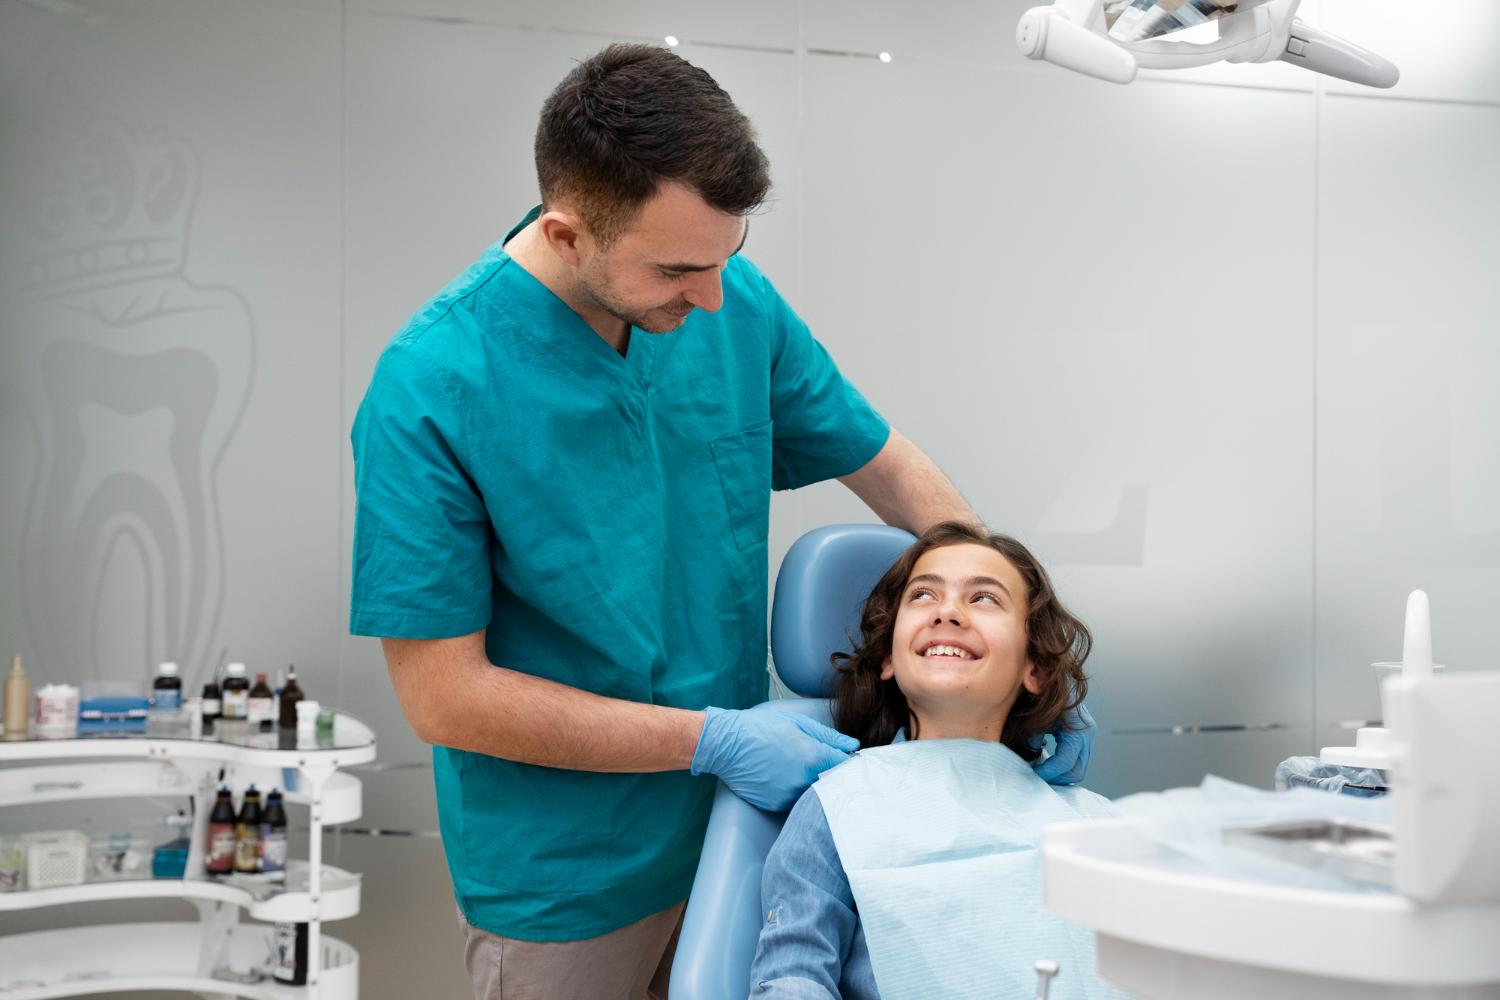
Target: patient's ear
{"type": "Point", "coordinates": [887, 669]}
{"type": "Point", "coordinates": [1031, 680]}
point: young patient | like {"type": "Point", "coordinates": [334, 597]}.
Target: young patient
{"type": "Point", "coordinates": [968, 654]}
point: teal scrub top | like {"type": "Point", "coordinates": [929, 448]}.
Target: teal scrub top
{"type": "Point", "coordinates": [604, 518]}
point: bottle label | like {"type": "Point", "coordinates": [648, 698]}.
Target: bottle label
{"type": "Point", "coordinates": [259, 708]}
{"type": "Point", "coordinates": [272, 849]}
{"type": "Point", "coordinates": [284, 960]}
{"type": "Point", "coordinates": [247, 850]}
{"type": "Point", "coordinates": [211, 707]}
{"type": "Point", "coordinates": [235, 704]}
{"type": "Point", "coordinates": [220, 848]}
{"type": "Point", "coordinates": [167, 699]}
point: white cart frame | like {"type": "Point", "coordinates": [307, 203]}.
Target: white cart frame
{"type": "Point", "coordinates": [139, 766]}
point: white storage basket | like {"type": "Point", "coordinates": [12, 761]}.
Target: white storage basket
{"type": "Point", "coordinates": [56, 857]}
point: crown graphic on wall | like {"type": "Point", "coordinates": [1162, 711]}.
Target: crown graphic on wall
{"type": "Point", "coordinates": [100, 204]}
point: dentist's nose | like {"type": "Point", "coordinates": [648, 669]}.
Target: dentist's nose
{"type": "Point", "coordinates": [707, 293]}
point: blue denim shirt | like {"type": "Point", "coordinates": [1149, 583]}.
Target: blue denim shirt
{"type": "Point", "coordinates": [811, 946]}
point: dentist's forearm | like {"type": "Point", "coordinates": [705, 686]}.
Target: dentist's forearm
{"type": "Point", "coordinates": [906, 488]}
{"type": "Point", "coordinates": [453, 696]}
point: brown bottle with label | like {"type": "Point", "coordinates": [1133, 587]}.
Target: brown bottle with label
{"type": "Point", "coordinates": [261, 705]}
{"type": "Point", "coordinates": [212, 705]}
{"type": "Point", "coordinates": [219, 857]}
{"type": "Point", "coordinates": [236, 693]}
{"type": "Point", "coordinates": [290, 695]}
{"type": "Point", "coordinates": [247, 834]}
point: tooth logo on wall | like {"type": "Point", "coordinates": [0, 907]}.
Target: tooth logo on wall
{"type": "Point", "coordinates": [135, 377]}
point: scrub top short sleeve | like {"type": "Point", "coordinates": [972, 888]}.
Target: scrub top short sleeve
{"type": "Point", "coordinates": [421, 565]}
{"type": "Point", "coordinates": [822, 427]}
{"type": "Point", "coordinates": [603, 516]}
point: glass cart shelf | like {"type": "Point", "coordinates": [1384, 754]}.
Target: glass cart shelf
{"type": "Point", "coordinates": [352, 742]}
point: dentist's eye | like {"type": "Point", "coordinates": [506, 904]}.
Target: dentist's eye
{"type": "Point", "coordinates": [673, 275]}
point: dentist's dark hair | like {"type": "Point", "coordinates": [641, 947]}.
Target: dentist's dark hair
{"type": "Point", "coordinates": [872, 710]}
{"type": "Point", "coordinates": [632, 116]}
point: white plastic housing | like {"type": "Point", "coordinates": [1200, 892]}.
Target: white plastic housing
{"type": "Point", "coordinates": [1445, 792]}
{"type": "Point", "coordinates": [1048, 33]}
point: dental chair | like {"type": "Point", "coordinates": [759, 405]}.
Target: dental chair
{"type": "Point", "coordinates": [820, 591]}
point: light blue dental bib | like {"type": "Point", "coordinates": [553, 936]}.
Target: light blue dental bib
{"type": "Point", "coordinates": [940, 840]}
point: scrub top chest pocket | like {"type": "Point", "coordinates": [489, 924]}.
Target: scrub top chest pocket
{"type": "Point", "coordinates": [743, 460]}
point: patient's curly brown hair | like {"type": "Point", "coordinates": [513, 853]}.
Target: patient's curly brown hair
{"type": "Point", "coordinates": [872, 710]}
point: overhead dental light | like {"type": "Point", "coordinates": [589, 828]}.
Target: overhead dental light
{"type": "Point", "coordinates": [1110, 39]}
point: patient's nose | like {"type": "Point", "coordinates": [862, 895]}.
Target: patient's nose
{"type": "Point", "coordinates": [950, 609]}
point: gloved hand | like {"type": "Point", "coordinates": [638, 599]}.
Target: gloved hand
{"type": "Point", "coordinates": [768, 757]}
{"type": "Point", "coordinates": [1075, 745]}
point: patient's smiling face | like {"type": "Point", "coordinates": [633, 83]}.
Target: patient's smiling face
{"type": "Point", "coordinates": [958, 651]}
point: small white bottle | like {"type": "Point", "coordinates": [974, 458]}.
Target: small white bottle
{"type": "Point", "coordinates": [307, 723]}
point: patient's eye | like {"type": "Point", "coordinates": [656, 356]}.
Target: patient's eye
{"type": "Point", "coordinates": [985, 595]}
{"type": "Point", "coordinates": [919, 592]}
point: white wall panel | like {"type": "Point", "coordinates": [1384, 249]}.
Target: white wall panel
{"type": "Point", "coordinates": [768, 25]}
{"type": "Point", "coordinates": [1445, 51]}
{"type": "Point", "coordinates": [1408, 361]}
{"type": "Point", "coordinates": [1081, 313]}
{"type": "Point", "coordinates": [933, 35]}
{"type": "Point", "coordinates": [1133, 761]}
{"type": "Point", "coordinates": [178, 337]}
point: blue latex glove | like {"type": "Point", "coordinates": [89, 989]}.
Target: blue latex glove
{"type": "Point", "coordinates": [1075, 745]}
{"type": "Point", "coordinates": [768, 757]}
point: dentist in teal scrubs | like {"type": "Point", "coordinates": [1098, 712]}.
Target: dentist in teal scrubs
{"type": "Point", "coordinates": [564, 463]}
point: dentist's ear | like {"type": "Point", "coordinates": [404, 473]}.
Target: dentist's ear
{"type": "Point", "coordinates": [887, 669]}
{"type": "Point", "coordinates": [564, 232]}
{"type": "Point", "coordinates": [1031, 680]}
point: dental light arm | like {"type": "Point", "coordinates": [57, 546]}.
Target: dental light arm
{"type": "Point", "coordinates": [1331, 55]}
{"type": "Point", "coordinates": [1065, 37]}
{"type": "Point", "coordinates": [1075, 34]}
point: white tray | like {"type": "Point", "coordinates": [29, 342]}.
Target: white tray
{"type": "Point", "coordinates": [1174, 934]}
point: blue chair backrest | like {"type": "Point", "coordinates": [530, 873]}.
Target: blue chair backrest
{"type": "Point", "coordinates": [820, 591]}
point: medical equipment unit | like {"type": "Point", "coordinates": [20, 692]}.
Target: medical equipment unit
{"type": "Point", "coordinates": [1419, 915]}
{"type": "Point", "coordinates": [1110, 39]}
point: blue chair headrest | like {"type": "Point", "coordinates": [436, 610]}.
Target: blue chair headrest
{"type": "Point", "coordinates": [820, 592]}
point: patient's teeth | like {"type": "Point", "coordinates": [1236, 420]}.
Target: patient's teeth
{"type": "Point", "coordinates": [941, 650]}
